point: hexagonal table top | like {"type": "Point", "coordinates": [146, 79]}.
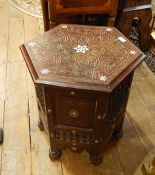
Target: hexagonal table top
{"type": "Point", "coordinates": [88, 57]}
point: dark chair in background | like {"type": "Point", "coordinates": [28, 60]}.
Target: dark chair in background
{"type": "Point", "coordinates": [141, 10]}
{"type": "Point", "coordinates": [69, 11]}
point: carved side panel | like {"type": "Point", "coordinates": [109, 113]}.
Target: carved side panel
{"type": "Point", "coordinates": [118, 100]}
{"type": "Point", "coordinates": [42, 105]}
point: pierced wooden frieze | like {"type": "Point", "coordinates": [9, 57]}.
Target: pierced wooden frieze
{"type": "Point", "coordinates": [76, 137]}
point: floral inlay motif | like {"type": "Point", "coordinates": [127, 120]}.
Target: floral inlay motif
{"type": "Point", "coordinates": [45, 71]}
{"type": "Point", "coordinates": [108, 29]}
{"type": "Point", "coordinates": [103, 78]}
{"type": "Point", "coordinates": [132, 52]}
{"type": "Point", "coordinates": [81, 49]}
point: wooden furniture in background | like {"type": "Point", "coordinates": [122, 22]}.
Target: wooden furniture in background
{"type": "Point", "coordinates": [68, 11]}
{"type": "Point", "coordinates": [84, 3]}
{"type": "Point", "coordinates": [82, 85]}
{"type": "Point", "coordinates": [140, 9]}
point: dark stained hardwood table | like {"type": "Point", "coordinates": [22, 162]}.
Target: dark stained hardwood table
{"type": "Point", "coordinates": [82, 76]}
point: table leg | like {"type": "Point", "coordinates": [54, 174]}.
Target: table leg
{"type": "Point", "coordinates": [118, 133]}
{"type": "Point", "coordinates": [96, 157]}
{"type": "Point", "coordinates": [54, 154]}
{"type": "Point", "coordinates": [145, 30]}
{"type": "Point", "coordinates": [46, 20]}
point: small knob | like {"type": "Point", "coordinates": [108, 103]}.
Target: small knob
{"type": "Point", "coordinates": [72, 93]}
{"type": "Point", "coordinates": [52, 135]}
{"type": "Point", "coordinates": [49, 111]}
{"type": "Point", "coordinates": [74, 148]}
{"type": "Point", "coordinates": [74, 144]}
{"type": "Point", "coordinates": [96, 141]}
{"type": "Point", "coordinates": [74, 132]}
{"type": "Point", "coordinates": [99, 117]}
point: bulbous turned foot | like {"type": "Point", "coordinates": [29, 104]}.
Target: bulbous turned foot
{"type": "Point", "coordinates": [118, 133]}
{"type": "Point", "coordinates": [54, 155]}
{"type": "Point", "coordinates": [40, 125]}
{"type": "Point", "coordinates": [96, 159]}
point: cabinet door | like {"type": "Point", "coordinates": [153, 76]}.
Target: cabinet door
{"type": "Point", "coordinates": [74, 109]}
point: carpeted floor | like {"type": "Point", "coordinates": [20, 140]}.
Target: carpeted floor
{"type": "Point", "coordinates": [150, 60]}
{"type": "Point", "coordinates": [31, 7]}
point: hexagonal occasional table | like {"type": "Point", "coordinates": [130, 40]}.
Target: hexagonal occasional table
{"type": "Point", "coordinates": [82, 76]}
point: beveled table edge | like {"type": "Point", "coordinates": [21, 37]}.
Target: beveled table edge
{"type": "Point", "coordinates": [80, 86]}
{"type": "Point", "coordinates": [29, 63]}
